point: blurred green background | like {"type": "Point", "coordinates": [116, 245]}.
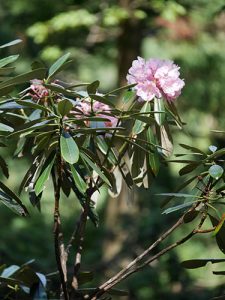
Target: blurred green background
{"type": "Point", "coordinates": [103, 38]}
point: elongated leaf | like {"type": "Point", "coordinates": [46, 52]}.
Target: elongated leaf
{"type": "Point", "coordinates": [159, 106]}
{"type": "Point", "coordinates": [128, 96]}
{"type": "Point", "coordinates": [40, 183]}
{"type": "Point", "coordinates": [56, 66]}
{"type": "Point", "coordinates": [69, 149]}
{"type": "Point", "coordinates": [31, 104]}
{"type": "Point", "coordinates": [188, 168]}
{"type": "Point", "coordinates": [95, 168]}
{"type": "Point", "coordinates": [178, 195]}
{"type": "Point", "coordinates": [4, 167]}
{"type": "Point", "coordinates": [10, 199]}
{"type": "Point", "coordinates": [101, 99]}
{"type": "Point", "coordinates": [178, 207]}
{"type": "Point", "coordinates": [6, 128]}
{"type": "Point", "coordinates": [139, 125]}
{"type": "Point", "coordinates": [220, 236]}
{"type": "Point", "coordinates": [193, 149]}
{"type": "Point", "coordinates": [153, 156]}
{"type": "Point", "coordinates": [166, 140]}
{"type": "Point", "coordinates": [199, 263]}
{"type": "Point", "coordinates": [64, 107]}
{"type": "Point", "coordinates": [126, 87]}
{"type": "Point", "coordinates": [8, 60]}
{"type": "Point", "coordinates": [12, 43]}
{"type": "Point", "coordinates": [38, 74]}
{"type": "Point", "coordinates": [80, 183]}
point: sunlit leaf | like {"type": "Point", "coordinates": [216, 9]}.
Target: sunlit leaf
{"type": "Point", "coordinates": [12, 43]}
{"type": "Point", "coordinates": [8, 60]}
{"type": "Point", "coordinates": [69, 148]}
{"type": "Point", "coordinates": [56, 66]}
{"type": "Point", "coordinates": [159, 106]}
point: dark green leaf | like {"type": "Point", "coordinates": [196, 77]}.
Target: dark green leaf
{"type": "Point", "coordinates": [80, 183]}
{"type": "Point", "coordinates": [64, 107]}
{"type": "Point", "coordinates": [4, 167]}
{"type": "Point", "coordinates": [11, 200]}
{"type": "Point", "coordinates": [31, 104]}
{"type": "Point", "coordinates": [188, 168]}
{"type": "Point", "coordinates": [198, 263]}
{"type": "Point", "coordinates": [55, 67]}
{"type": "Point", "coordinates": [220, 236]}
{"type": "Point", "coordinates": [92, 87]}
{"type": "Point", "coordinates": [68, 147]}
{"type": "Point", "coordinates": [40, 183]}
{"type": "Point", "coordinates": [190, 216]}
{"type": "Point", "coordinates": [38, 74]}
{"type": "Point", "coordinates": [95, 168]}
{"type": "Point", "coordinates": [154, 155]}
{"type": "Point", "coordinates": [193, 149]}
{"type": "Point", "coordinates": [101, 99]}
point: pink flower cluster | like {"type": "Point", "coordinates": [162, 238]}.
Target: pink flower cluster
{"type": "Point", "coordinates": [100, 109]}
{"type": "Point", "coordinates": [155, 78]}
{"type": "Point", "coordinates": [38, 90]}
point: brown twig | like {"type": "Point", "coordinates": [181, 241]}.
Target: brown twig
{"type": "Point", "coordinates": [58, 236]}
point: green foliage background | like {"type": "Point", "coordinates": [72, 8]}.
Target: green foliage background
{"type": "Point", "coordinates": [103, 38]}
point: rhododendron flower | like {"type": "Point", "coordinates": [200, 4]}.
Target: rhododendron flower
{"type": "Point", "coordinates": [155, 78]}
{"type": "Point", "coordinates": [100, 109]}
{"type": "Point", "coordinates": [38, 90]}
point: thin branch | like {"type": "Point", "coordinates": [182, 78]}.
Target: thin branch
{"type": "Point", "coordinates": [58, 237]}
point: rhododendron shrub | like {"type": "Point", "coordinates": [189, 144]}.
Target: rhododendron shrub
{"type": "Point", "coordinates": [83, 140]}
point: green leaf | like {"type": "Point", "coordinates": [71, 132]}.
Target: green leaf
{"type": "Point", "coordinates": [177, 207]}
{"type": "Point", "coordinates": [8, 60]}
{"type": "Point", "coordinates": [126, 87]}
{"type": "Point", "coordinates": [92, 87]}
{"type": "Point", "coordinates": [64, 107]}
{"type": "Point", "coordinates": [128, 96]}
{"type": "Point", "coordinates": [31, 104]}
{"type": "Point", "coordinates": [11, 200]}
{"type": "Point", "coordinates": [188, 168]}
{"type": "Point", "coordinates": [159, 106]}
{"type": "Point", "coordinates": [95, 168]}
{"type": "Point", "coordinates": [117, 292]}
{"type": "Point", "coordinates": [101, 99]}
{"type": "Point", "coordinates": [38, 74]}
{"type": "Point", "coordinates": [12, 43]}
{"type": "Point", "coordinates": [216, 171]}
{"type": "Point", "coordinates": [178, 195]}
{"type": "Point", "coordinates": [139, 125]}
{"type": "Point", "coordinates": [55, 67]}
{"type": "Point", "coordinates": [4, 167]}
{"type": "Point", "coordinates": [40, 183]}
{"type": "Point", "coordinates": [220, 236]}
{"type": "Point", "coordinates": [198, 263]}
{"type": "Point", "coordinates": [153, 156]}
{"type": "Point", "coordinates": [193, 149]}
{"type": "Point", "coordinates": [7, 128]}
{"type": "Point", "coordinates": [80, 183]}
{"type": "Point", "coordinates": [68, 147]}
